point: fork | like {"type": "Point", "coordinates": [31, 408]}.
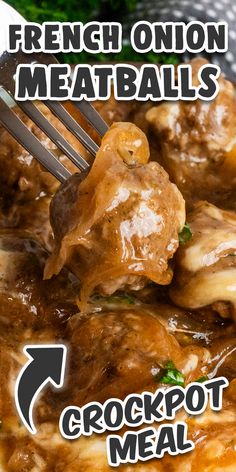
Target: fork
{"type": "Point", "coordinates": [15, 126]}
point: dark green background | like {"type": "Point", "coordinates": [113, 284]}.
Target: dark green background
{"type": "Point", "coordinates": [86, 10]}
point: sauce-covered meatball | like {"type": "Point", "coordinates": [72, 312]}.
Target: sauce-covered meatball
{"type": "Point", "coordinates": [25, 186]}
{"type": "Point", "coordinates": [119, 226]}
{"type": "Point", "coordinates": [197, 143]}
{"type": "Point", "coordinates": [205, 271]}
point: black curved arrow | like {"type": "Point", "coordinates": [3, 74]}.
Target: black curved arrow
{"type": "Point", "coordinates": [46, 364]}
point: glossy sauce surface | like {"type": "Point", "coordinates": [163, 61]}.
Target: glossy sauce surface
{"type": "Point", "coordinates": [125, 212]}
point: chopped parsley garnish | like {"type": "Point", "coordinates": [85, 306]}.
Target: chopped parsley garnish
{"type": "Point", "coordinates": [185, 235]}
{"type": "Point", "coordinates": [202, 379]}
{"type": "Point", "coordinates": [171, 375]}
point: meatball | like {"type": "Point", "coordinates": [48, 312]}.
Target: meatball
{"type": "Point", "coordinates": [113, 111]}
{"type": "Point", "coordinates": [119, 226]}
{"type": "Point", "coordinates": [31, 312]}
{"type": "Point", "coordinates": [197, 142]}
{"type": "Point", "coordinates": [26, 187]}
{"type": "Point", "coordinates": [205, 271]}
{"type": "Point", "coordinates": [132, 110]}
{"type": "Point", "coordinates": [116, 352]}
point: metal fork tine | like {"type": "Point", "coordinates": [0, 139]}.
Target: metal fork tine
{"type": "Point", "coordinates": [72, 125]}
{"type": "Point", "coordinates": [37, 117]}
{"type": "Point", "coordinates": [93, 117]}
{"type": "Point", "coordinates": [28, 140]}
{"type": "Point", "coordinates": [87, 110]}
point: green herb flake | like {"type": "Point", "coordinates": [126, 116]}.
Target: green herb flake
{"type": "Point", "coordinates": [185, 235]}
{"type": "Point", "coordinates": [202, 379]}
{"type": "Point", "coordinates": [171, 375]}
